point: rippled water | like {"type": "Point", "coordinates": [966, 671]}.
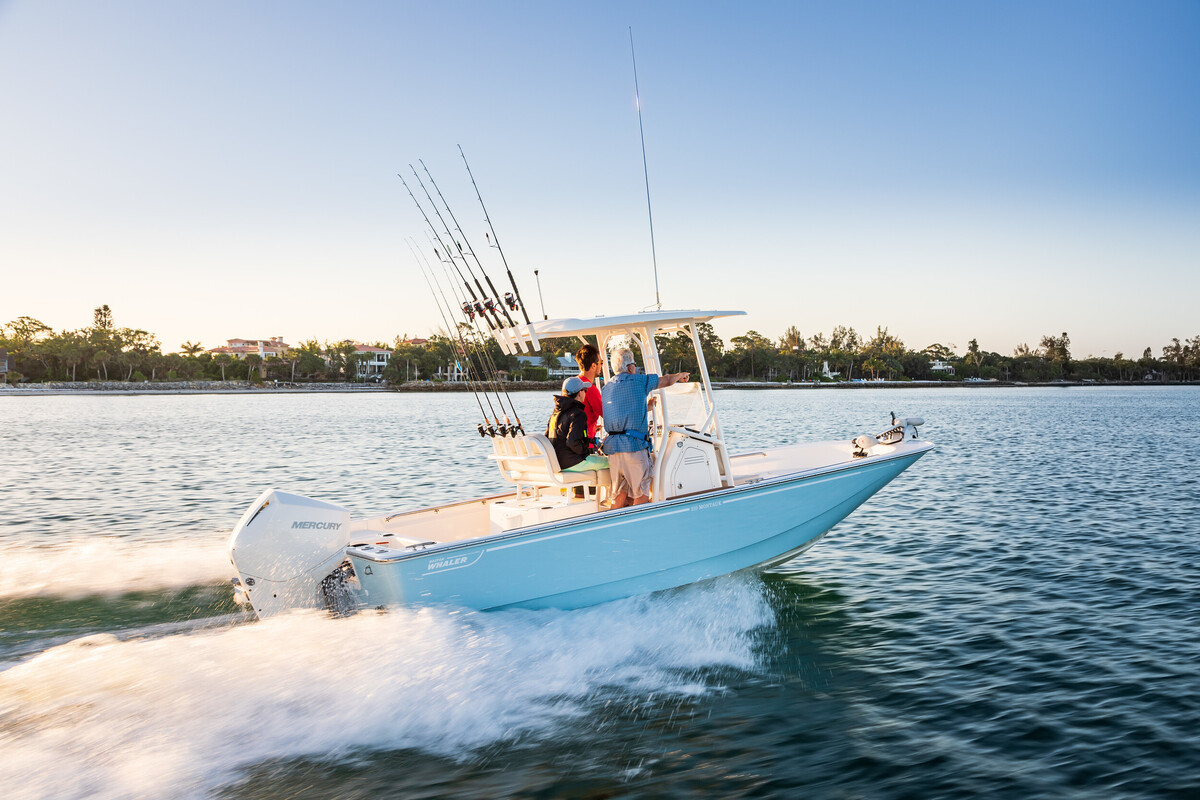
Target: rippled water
{"type": "Point", "coordinates": [1014, 616]}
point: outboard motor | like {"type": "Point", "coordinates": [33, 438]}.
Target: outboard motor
{"type": "Point", "coordinates": [284, 547]}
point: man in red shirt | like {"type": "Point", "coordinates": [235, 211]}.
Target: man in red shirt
{"type": "Point", "coordinates": [588, 359]}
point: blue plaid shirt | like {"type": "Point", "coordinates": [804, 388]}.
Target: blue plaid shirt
{"type": "Point", "coordinates": [625, 410]}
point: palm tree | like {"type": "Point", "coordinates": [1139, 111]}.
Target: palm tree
{"type": "Point", "coordinates": [71, 350]}
{"type": "Point", "coordinates": [155, 360]}
{"type": "Point", "coordinates": [191, 348]}
{"type": "Point", "coordinates": [129, 358]}
{"type": "Point", "coordinates": [100, 360]}
{"type": "Point", "coordinates": [222, 360]}
{"type": "Point", "coordinates": [550, 359]}
{"type": "Point", "coordinates": [253, 361]}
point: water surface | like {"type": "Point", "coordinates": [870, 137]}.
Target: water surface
{"type": "Point", "coordinates": [1014, 616]}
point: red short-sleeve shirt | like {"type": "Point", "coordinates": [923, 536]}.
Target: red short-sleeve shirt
{"type": "Point", "coordinates": [592, 406]}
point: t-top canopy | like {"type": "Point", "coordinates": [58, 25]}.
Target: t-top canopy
{"type": "Point", "coordinates": [527, 337]}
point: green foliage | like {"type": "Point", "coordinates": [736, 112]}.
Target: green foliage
{"type": "Point", "coordinates": [102, 318]}
{"type": "Point", "coordinates": [254, 363]}
{"type": "Point", "coordinates": [883, 355]}
{"type": "Point", "coordinates": [1057, 348]}
{"type": "Point", "coordinates": [792, 339]}
{"type": "Point", "coordinates": [752, 355]}
{"type": "Point", "coordinates": [104, 351]}
{"type": "Point", "coordinates": [677, 353]}
{"type": "Point", "coordinates": [222, 360]}
{"type": "Point", "coordinates": [563, 345]}
{"type": "Point", "coordinates": [535, 374]}
{"type": "Point", "coordinates": [23, 331]}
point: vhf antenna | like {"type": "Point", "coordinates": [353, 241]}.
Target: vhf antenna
{"type": "Point", "coordinates": [645, 171]}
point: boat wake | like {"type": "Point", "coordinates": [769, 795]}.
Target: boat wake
{"type": "Point", "coordinates": [112, 566]}
{"type": "Point", "coordinates": [182, 715]}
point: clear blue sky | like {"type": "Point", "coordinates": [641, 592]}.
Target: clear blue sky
{"type": "Point", "coordinates": [989, 170]}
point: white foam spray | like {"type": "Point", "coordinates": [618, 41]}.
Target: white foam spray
{"type": "Point", "coordinates": [111, 565]}
{"type": "Point", "coordinates": [180, 715]}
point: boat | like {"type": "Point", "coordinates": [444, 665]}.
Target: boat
{"type": "Point", "coordinates": [547, 540]}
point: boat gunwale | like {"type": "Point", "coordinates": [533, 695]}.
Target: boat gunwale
{"type": "Point", "coordinates": [440, 548]}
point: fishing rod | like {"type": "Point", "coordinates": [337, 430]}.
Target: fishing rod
{"type": "Point", "coordinates": [486, 358]}
{"type": "Point", "coordinates": [489, 431]}
{"type": "Point", "coordinates": [469, 307]}
{"type": "Point", "coordinates": [479, 343]}
{"type": "Point", "coordinates": [470, 249]}
{"type": "Point", "coordinates": [446, 314]}
{"type": "Point", "coordinates": [495, 238]}
{"type": "Point", "coordinates": [477, 305]}
{"type": "Point", "coordinates": [488, 302]}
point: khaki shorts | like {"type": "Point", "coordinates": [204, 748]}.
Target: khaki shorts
{"type": "Point", "coordinates": [631, 473]}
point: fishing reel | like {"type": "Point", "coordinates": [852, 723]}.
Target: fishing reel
{"type": "Point", "coordinates": [478, 308]}
{"type": "Point", "coordinates": [489, 304]}
{"type": "Point", "coordinates": [470, 312]}
{"type": "Point", "coordinates": [510, 301]}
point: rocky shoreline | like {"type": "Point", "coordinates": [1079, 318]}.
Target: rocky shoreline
{"type": "Point", "coordinates": [245, 387]}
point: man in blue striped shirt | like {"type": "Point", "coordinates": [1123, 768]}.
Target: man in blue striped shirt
{"type": "Point", "coordinates": [628, 442]}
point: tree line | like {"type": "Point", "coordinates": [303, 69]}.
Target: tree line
{"type": "Point", "coordinates": [103, 351]}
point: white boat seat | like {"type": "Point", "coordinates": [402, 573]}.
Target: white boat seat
{"type": "Point", "coordinates": [530, 460]}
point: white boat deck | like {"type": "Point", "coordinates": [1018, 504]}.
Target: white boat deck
{"type": "Point", "coordinates": [766, 464]}
{"type": "Point", "coordinates": [417, 530]}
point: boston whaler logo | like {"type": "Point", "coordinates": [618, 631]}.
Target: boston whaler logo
{"type": "Point", "coordinates": [316, 526]}
{"type": "Point", "coordinates": [444, 563]}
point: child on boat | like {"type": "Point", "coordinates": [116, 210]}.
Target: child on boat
{"type": "Point", "coordinates": [567, 429]}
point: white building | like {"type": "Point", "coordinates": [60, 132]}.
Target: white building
{"type": "Point", "coordinates": [372, 361]}
{"type": "Point", "coordinates": [240, 348]}
{"type": "Point", "coordinates": [454, 372]}
{"type": "Point", "coordinates": [937, 365]}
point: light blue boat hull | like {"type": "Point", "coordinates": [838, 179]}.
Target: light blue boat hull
{"type": "Point", "coordinates": [618, 554]}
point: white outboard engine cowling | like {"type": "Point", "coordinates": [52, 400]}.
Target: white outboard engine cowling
{"type": "Point", "coordinates": [284, 546]}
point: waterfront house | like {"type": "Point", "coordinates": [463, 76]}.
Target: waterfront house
{"type": "Point", "coordinates": [274, 347]}
{"type": "Point", "coordinates": [372, 361]}
{"type": "Point", "coordinates": [454, 372]}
